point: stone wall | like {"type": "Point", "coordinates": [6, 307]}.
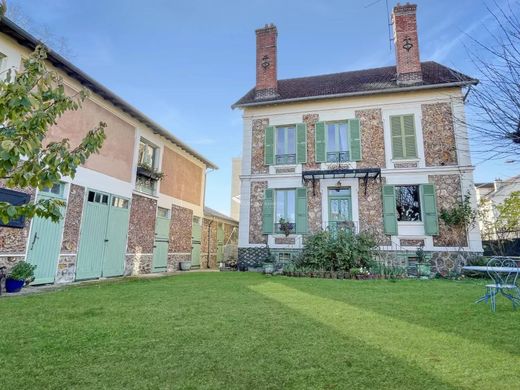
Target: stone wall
{"type": "Point", "coordinates": [371, 210]}
{"type": "Point", "coordinates": [257, 146]}
{"type": "Point", "coordinates": [72, 222]}
{"type": "Point", "coordinates": [66, 272]}
{"type": "Point", "coordinates": [310, 120]}
{"type": "Point", "coordinates": [439, 136]}
{"type": "Point", "coordinates": [448, 193]}
{"type": "Point", "coordinates": [372, 139]}
{"type": "Point", "coordinates": [180, 230]}
{"type": "Point", "coordinates": [141, 235]}
{"type": "Point", "coordinates": [255, 212]}
{"type": "Point", "coordinates": [314, 222]}
{"type": "Point", "coordinates": [14, 241]}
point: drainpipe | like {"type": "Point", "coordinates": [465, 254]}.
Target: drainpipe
{"type": "Point", "coordinates": [209, 242]}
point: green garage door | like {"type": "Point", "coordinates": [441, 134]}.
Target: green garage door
{"type": "Point", "coordinates": [103, 236]}
{"type": "Point", "coordinates": [162, 233]}
{"type": "Point", "coordinates": [220, 242]}
{"type": "Point", "coordinates": [196, 231]}
{"type": "Point", "coordinates": [45, 240]}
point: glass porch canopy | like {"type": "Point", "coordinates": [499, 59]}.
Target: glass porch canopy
{"type": "Point", "coordinates": [341, 173]}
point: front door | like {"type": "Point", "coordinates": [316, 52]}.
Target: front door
{"type": "Point", "coordinates": [220, 242]}
{"type": "Point", "coordinates": [162, 233]}
{"type": "Point", "coordinates": [196, 231]}
{"type": "Point", "coordinates": [104, 231]}
{"type": "Point", "coordinates": [45, 240]}
{"type": "Point", "coordinates": [340, 208]}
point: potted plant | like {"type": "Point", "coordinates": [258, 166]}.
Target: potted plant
{"type": "Point", "coordinates": [21, 274]}
{"type": "Point", "coordinates": [285, 227]}
{"type": "Point", "coordinates": [268, 263]}
{"type": "Point", "coordinates": [185, 265]}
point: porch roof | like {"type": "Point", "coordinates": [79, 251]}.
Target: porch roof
{"type": "Point", "coordinates": [342, 173]}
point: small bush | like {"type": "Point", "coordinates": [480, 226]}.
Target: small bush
{"type": "Point", "coordinates": [22, 271]}
{"type": "Point", "coordinates": [337, 251]}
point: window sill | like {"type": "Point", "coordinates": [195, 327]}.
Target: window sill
{"type": "Point", "coordinates": [405, 160]}
{"type": "Point", "coordinates": [410, 223]}
{"type": "Point", "coordinates": [145, 194]}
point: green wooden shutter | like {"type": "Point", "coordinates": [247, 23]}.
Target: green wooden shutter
{"type": "Point", "coordinates": [268, 212]}
{"type": "Point", "coordinates": [301, 143]}
{"type": "Point", "coordinates": [301, 210]}
{"type": "Point", "coordinates": [269, 145]}
{"type": "Point", "coordinates": [410, 149]}
{"type": "Point", "coordinates": [321, 154]}
{"type": "Point", "coordinates": [389, 210]}
{"type": "Point", "coordinates": [429, 206]}
{"type": "Point", "coordinates": [397, 137]}
{"type": "Point", "coordinates": [354, 139]}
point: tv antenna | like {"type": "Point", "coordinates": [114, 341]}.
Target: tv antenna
{"type": "Point", "coordinates": [389, 23]}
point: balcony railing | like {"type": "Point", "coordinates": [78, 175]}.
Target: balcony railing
{"type": "Point", "coordinates": [335, 226]}
{"type": "Point", "coordinates": [285, 159]}
{"type": "Point", "coordinates": [338, 157]}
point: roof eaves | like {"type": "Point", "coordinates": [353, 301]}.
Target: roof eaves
{"type": "Point", "coordinates": [358, 93]}
{"type": "Point", "coordinates": [27, 39]}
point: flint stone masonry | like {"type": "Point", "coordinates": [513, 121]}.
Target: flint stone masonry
{"type": "Point", "coordinates": [257, 146]}
{"type": "Point", "coordinates": [66, 271]}
{"type": "Point", "coordinates": [409, 164]}
{"type": "Point", "coordinates": [372, 138]}
{"type": "Point", "coordinates": [439, 136]}
{"type": "Point", "coordinates": [141, 235]}
{"type": "Point", "coordinates": [180, 230]}
{"type": "Point", "coordinates": [284, 240]}
{"type": "Point", "coordinates": [448, 193]}
{"type": "Point", "coordinates": [174, 259]}
{"type": "Point", "coordinates": [255, 212]}
{"type": "Point", "coordinates": [310, 120]}
{"type": "Point", "coordinates": [371, 210]}
{"type": "Point", "coordinates": [416, 243]}
{"type": "Point", "coordinates": [72, 222]}
{"type": "Point", "coordinates": [314, 219]}
{"type": "Point", "coordinates": [13, 241]}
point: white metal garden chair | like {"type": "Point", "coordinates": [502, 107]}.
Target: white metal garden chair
{"type": "Point", "coordinates": [504, 273]}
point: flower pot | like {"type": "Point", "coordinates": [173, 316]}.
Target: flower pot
{"type": "Point", "coordinates": [13, 285]}
{"type": "Point", "coordinates": [185, 265]}
{"type": "Point", "coordinates": [268, 268]}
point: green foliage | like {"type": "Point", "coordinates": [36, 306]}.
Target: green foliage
{"type": "Point", "coordinates": [388, 271]}
{"type": "Point", "coordinates": [31, 101]}
{"type": "Point", "coordinates": [22, 271]}
{"type": "Point", "coordinates": [337, 251]}
{"type": "Point", "coordinates": [286, 227]}
{"type": "Point", "coordinates": [461, 215]}
{"type": "Point", "coordinates": [509, 213]}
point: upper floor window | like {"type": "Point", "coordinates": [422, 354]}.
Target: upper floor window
{"type": "Point", "coordinates": [147, 154]}
{"type": "Point", "coordinates": [404, 144]}
{"type": "Point", "coordinates": [337, 142]}
{"type": "Point", "coordinates": [286, 145]}
{"type": "Point", "coordinates": [147, 173]}
{"type": "Point", "coordinates": [408, 203]}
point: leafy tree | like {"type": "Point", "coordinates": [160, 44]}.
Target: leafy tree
{"type": "Point", "coordinates": [508, 220]}
{"type": "Point", "coordinates": [31, 101]}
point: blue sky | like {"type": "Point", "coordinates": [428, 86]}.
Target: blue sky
{"type": "Point", "coordinates": [184, 62]}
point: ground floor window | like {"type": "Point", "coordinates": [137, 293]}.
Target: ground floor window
{"type": "Point", "coordinates": [408, 203]}
{"type": "Point", "coordinates": [285, 208]}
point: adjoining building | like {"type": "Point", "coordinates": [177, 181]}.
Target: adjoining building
{"type": "Point", "coordinates": [120, 217]}
{"type": "Point", "coordinates": [380, 150]}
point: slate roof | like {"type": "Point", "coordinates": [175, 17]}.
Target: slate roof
{"type": "Point", "coordinates": [359, 82]}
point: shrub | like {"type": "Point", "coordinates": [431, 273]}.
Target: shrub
{"type": "Point", "coordinates": [337, 251]}
{"type": "Point", "coordinates": [22, 271]}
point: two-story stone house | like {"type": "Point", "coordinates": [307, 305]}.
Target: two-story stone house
{"type": "Point", "coordinates": [380, 150]}
{"type": "Point", "coordinates": [119, 218]}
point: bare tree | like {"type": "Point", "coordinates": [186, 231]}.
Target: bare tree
{"type": "Point", "coordinates": [496, 100]}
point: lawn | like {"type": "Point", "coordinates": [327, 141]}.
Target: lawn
{"type": "Point", "coordinates": [249, 331]}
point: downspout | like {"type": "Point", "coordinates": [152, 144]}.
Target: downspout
{"type": "Point", "coordinates": [209, 242]}
{"type": "Point", "coordinates": [209, 170]}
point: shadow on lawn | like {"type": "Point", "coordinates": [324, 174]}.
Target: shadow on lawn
{"type": "Point", "coordinates": [449, 358]}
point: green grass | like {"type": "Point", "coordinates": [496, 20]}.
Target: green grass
{"type": "Point", "coordinates": [248, 331]}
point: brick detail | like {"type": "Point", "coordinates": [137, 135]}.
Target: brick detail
{"type": "Point", "coordinates": [406, 44]}
{"type": "Point", "coordinates": [404, 242]}
{"type": "Point", "coordinates": [141, 235]}
{"type": "Point", "coordinates": [266, 73]}
{"type": "Point", "coordinates": [72, 222]}
{"type": "Point", "coordinates": [14, 241]}
{"type": "Point", "coordinates": [437, 125]}
{"type": "Point", "coordinates": [257, 146]}
{"type": "Point", "coordinates": [180, 230]}
{"type": "Point", "coordinates": [255, 212]}
{"type": "Point", "coordinates": [314, 221]}
{"type": "Point", "coordinates": [284, 240]}
{"type": "Point", "coordinates": [310, 120]}
{"type": "Point", "coordinates": [371, 210]}
{"type": "Point", "coordinates": [372, 138]}
{"type": "Point", "coordinates": [448, 192]}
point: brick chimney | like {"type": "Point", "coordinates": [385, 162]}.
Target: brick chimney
{"type": "Point", "coordinates": [266, 74]}
{"type": "Point", "coordinates": [406, 44]}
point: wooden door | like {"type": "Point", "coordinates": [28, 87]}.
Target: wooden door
{"type": "Point", "coordinates": [195, 243]}
{"type": "Point", "coordinates": [116, 237]}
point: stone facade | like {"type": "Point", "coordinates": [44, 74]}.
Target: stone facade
{"type": "Point", "coordinates": [310, 120]}
{"type": "Point", "coordinates": [72, 222]}
{"type": "Point", "coordinates": [372, 139]}
{"type": "Point", "coordinates": [448, 194]}
{"type": "Point", "coordinates": [284, 240]}
{"type": "Point", "coordinates": [257, 146]}
{"type": "Point", "coordinates": [439, 136]}
{"type": "Point", "coordinates": [180, 230]}
{"type": "Point", "coordinates": [66, 272]}
{"type": "Point", "coordinates": [408, 164]}
{"type": "Point", "coordinates": [175, 258]}
{"type": "Point", "coordinates": [255, 213]}
{"type": "Point", "coordinates": [13, 241]}
{"type": "Point", "coordinates": [415, 243]}
{"type": "Point", "coordinates": [141, 233]}
{"type": "Point", "coordinates": [314, 221]}
{"type": "Point", "coordinates": [371, 210]}
{"type": "Point", "coordinates": [209, 243]}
